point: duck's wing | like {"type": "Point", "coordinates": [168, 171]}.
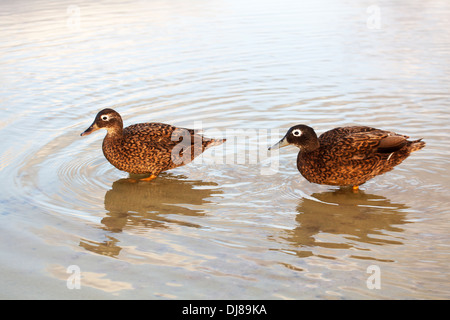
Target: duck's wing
{"type": "Point", "coordinates": [358, 142]}
{"type": "Point", "coordinates": [157, 133]}
{"type": "Point", "coordinates": [333, 135]}
{"type": "Point", "coordinates": [165, 137]}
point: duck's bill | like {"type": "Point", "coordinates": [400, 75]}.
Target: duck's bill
{"type": "Point", "coordinates": [89, 130]}
{"type": "Point", "coordinates": [282, 143]}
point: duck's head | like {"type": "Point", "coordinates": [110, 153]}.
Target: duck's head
{"type": "Point", "coordinates": [301, 136]}
{"type": "Point", "coordinates": [107, 119]}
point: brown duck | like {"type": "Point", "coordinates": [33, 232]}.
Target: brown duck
{"type": "Point", "coordinates": [148, 148]}
{"type": "Point", "coordinates": [347, 156]}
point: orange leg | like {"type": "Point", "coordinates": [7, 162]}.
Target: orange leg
{"type": "Point", "coordinates": [355, 188]}
{"type": "Point", "coordinates": [150, 178]}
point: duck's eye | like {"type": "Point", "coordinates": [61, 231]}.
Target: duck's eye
{"type": "Point", "coordinates": [105, 118]}
{"type": "Point", "coordinates": [297, 132]}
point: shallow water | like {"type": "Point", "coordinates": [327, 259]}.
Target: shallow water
{"type": "Point", "coordinates": [238, 222]}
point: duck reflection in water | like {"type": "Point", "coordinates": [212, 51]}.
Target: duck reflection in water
{"type": "Point", "coordinates": [356, 217]}
{"type": "Point", "coordinates": [132, 205]}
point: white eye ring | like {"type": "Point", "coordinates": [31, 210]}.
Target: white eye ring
{"type": "Point", "coordinates": [297, 132]}
{"type": "Point", "coordinates": [105, 118]}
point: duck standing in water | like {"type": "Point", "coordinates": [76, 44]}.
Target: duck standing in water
{"type": "Point", "coordinates": [148, 148]}
{"type": "Point", "coordinates": [347, 156]}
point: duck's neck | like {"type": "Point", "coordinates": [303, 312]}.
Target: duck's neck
{"type": "Point", "coordinates": [115, 133]}
{"type": "Point", "coordinates": [311, 146]}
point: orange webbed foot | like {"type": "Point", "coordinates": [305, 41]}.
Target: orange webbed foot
{"type": "Point", "coordinates": [150, 178]}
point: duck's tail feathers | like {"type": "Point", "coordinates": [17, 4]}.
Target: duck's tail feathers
{"type": "Point", "coordinates": [214, 142]}
{"type": "Point", "coordinates": [417, 145]}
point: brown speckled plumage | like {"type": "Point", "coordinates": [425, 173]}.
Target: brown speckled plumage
{"type": "Point", "coordinates": [148, 148]}
{"type": "Point", "coordinates": [348, 156]}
